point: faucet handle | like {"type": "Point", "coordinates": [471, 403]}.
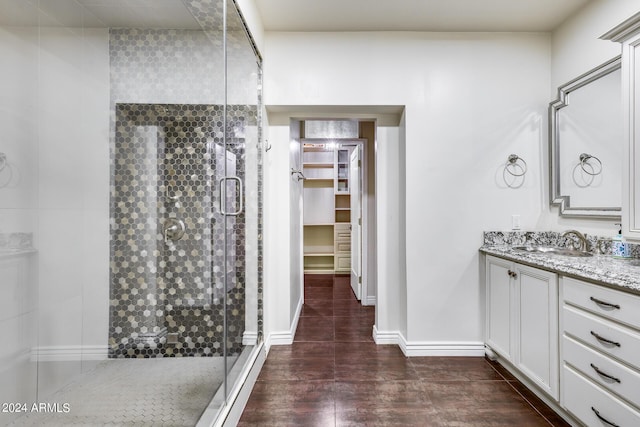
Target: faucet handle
{"type": "Point", "coordinates": [601, 246]}
{"type": "Point", "coordinates": [580, 242]}
{"type": "Point", "coordinates": [173, 229]}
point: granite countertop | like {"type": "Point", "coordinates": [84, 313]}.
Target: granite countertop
{"type": "Point", "coordinates": [623, 274]}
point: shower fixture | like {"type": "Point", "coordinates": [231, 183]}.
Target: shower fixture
{"type": "Point", "coordinates": [173, 229]}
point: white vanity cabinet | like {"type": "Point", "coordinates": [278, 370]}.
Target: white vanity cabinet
{"type": "Point", "coordinates": [628, 33]}
{"type": "Point", "coordinates": [522, 320]}
{"type": "Point", "coordinates": [600, 353]}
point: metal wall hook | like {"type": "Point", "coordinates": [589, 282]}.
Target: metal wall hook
{"type": "Point", "coordinates": [512, 165]}
{"type": "Point", "coordinates": [584, 160]}
{"type": "Point", "coordinates": [298, 173]}
{"type": "Point", "coordinates": [267, 145]}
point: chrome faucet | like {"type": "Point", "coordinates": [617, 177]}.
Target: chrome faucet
{"type": "Point", "coordinates": [581, 243]}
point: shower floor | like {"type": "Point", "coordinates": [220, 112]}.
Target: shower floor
{"type": "Point", "coordinates": [136, 392]}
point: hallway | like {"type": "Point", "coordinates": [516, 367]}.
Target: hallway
{"type": "Point", "coordinates": [335, 375]}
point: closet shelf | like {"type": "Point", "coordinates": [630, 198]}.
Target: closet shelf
{"type": "Point", "coordinates": [319, 254]}
{"type": "Point", "coordinates": [317, 165]}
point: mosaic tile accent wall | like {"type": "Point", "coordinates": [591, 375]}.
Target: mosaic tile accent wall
{"type": "Point", "coordinates": [168, 161]}
{"type": "Point", "coordinates": [166, 88]}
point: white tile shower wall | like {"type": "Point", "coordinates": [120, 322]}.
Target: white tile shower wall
{"type": "Point", "coordinates": [18, 180]}
{"type": "Point", "coordinates": [18, 325]}
{"type": "Point", "coordinates": [72, 241]}
{"type": "Point", "coordinates": [55, 115]}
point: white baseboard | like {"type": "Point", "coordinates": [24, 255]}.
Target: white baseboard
{"type": "Point", "coordinates": [385, 337]}
{"type": "Point", "coordinates": [71, 353]}
{"type": "Point", "coordinates": [284, 337]}
{"type": "Point", "coordinates": [443, 348]}
{"type": "Point", "coordinates": [279, 338]}
{"type": "Point", "coordinates": [369, 300]}
{"type": "Point", "coordinates": [249, 338]}
{"type": "Point", "coordinates": [429, 348]}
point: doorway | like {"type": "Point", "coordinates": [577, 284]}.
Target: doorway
{"type": "Point", "coordinates": [338, 202]}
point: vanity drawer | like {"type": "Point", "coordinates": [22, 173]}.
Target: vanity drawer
{"type": "Point", "coordinates": [343, 247]}
{"type": "Point", "coordinates": [608, 373]}
{"type": "Point", "coordinates": [592, 405]}
{"type": "Point", "coordinates": [617, 305]}
{"type": "Point", "coordinates": [343, 262]}
{"type": "Point", "coordinates": [343, 233]}
{"type": "Point", "coordinates": [624, 343]}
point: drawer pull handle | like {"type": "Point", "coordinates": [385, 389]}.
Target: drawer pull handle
{"type": "Point", "coordinates": [602, 339]}
{"type": "Point", "coordinates": [595, 368]}
{"type": "Point", "coordinates": [604, 303]}
{"type": "Point", "coordinates": [603, 419]}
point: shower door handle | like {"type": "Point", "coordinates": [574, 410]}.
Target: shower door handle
{"type": "Point", "coordinates": [223, 195]}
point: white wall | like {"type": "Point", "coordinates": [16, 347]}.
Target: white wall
{"type": "Point", "coordinates": [251, 16]}
{"type": "Point", "coordinates": [575, 45]}
{"type": "Point", "coordinates": [471, 100]}
{"type": "Point", "coordinates": [391, 266]}
{"type": "Point", "coordinates": [575, 49]}
{"type": "Point", "coordinates": [277, 237]}
{"type": "Point", "coordinates": [295, 223]}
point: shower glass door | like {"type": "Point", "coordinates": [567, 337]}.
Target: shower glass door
{"type": "Point", "coordinates": [130, 204]}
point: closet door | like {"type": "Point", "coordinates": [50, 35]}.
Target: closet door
{"type": "Point", "coordinates": [356, 221]}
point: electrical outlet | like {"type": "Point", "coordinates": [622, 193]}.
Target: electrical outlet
{"type": "Point", "coordinates": [515, 222]}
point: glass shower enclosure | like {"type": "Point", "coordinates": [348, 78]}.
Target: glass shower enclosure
{"type": "Point", "coordinates": [130, 210]}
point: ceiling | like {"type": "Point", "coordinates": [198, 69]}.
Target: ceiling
{"type": "Point", "coordinates": [97, 13]}
{"type": "Point", "coordinates": [416, 15]}
{"type": "Point", "coordinates": [305, 15]}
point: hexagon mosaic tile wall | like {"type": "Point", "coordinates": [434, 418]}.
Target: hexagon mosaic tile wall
{"type": "Point", "coordinates": [167, 125]}
{"type": "Point", "coordinates": [169, 159]}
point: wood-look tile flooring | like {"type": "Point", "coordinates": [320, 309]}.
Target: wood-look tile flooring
{"type": "Point", "coordinates": [335, 375]}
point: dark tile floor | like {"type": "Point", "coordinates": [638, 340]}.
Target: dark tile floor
{"type": "Point", "coordinates": [335, 375]}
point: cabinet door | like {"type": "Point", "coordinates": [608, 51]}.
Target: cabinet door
{"type": "Point", "coordinates": [631, 114]}
{"type": "Point", "coordinates": [341, 168]}
{"type": "Point", "coordinates": [537, 327]}
{"type": "Point", "coordinates": [499, 296]}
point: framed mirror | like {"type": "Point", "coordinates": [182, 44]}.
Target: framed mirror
{"type": "Point", "coordinates": [586, 144]}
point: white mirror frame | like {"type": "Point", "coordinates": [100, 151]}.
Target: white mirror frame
{"type": "Point", "coordinates": [564, 201]}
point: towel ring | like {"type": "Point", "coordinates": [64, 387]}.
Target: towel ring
{"type": "Point", "coordinates": [584, 160]}
{"type": "Point", "coordinates": [513, 165]}
{"type": "Point", "coordinates": [3, 161]}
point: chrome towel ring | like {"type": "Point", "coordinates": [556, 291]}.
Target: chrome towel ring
{"type": "Point", "coordinates": [584, 161]}
{"type": "Point", "coordinates": [516, 165]}
{"type": "Point", "coordinates": [7, 177]}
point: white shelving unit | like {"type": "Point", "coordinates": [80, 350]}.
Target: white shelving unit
{"type": "Point", "coordinates": [327, 208]}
